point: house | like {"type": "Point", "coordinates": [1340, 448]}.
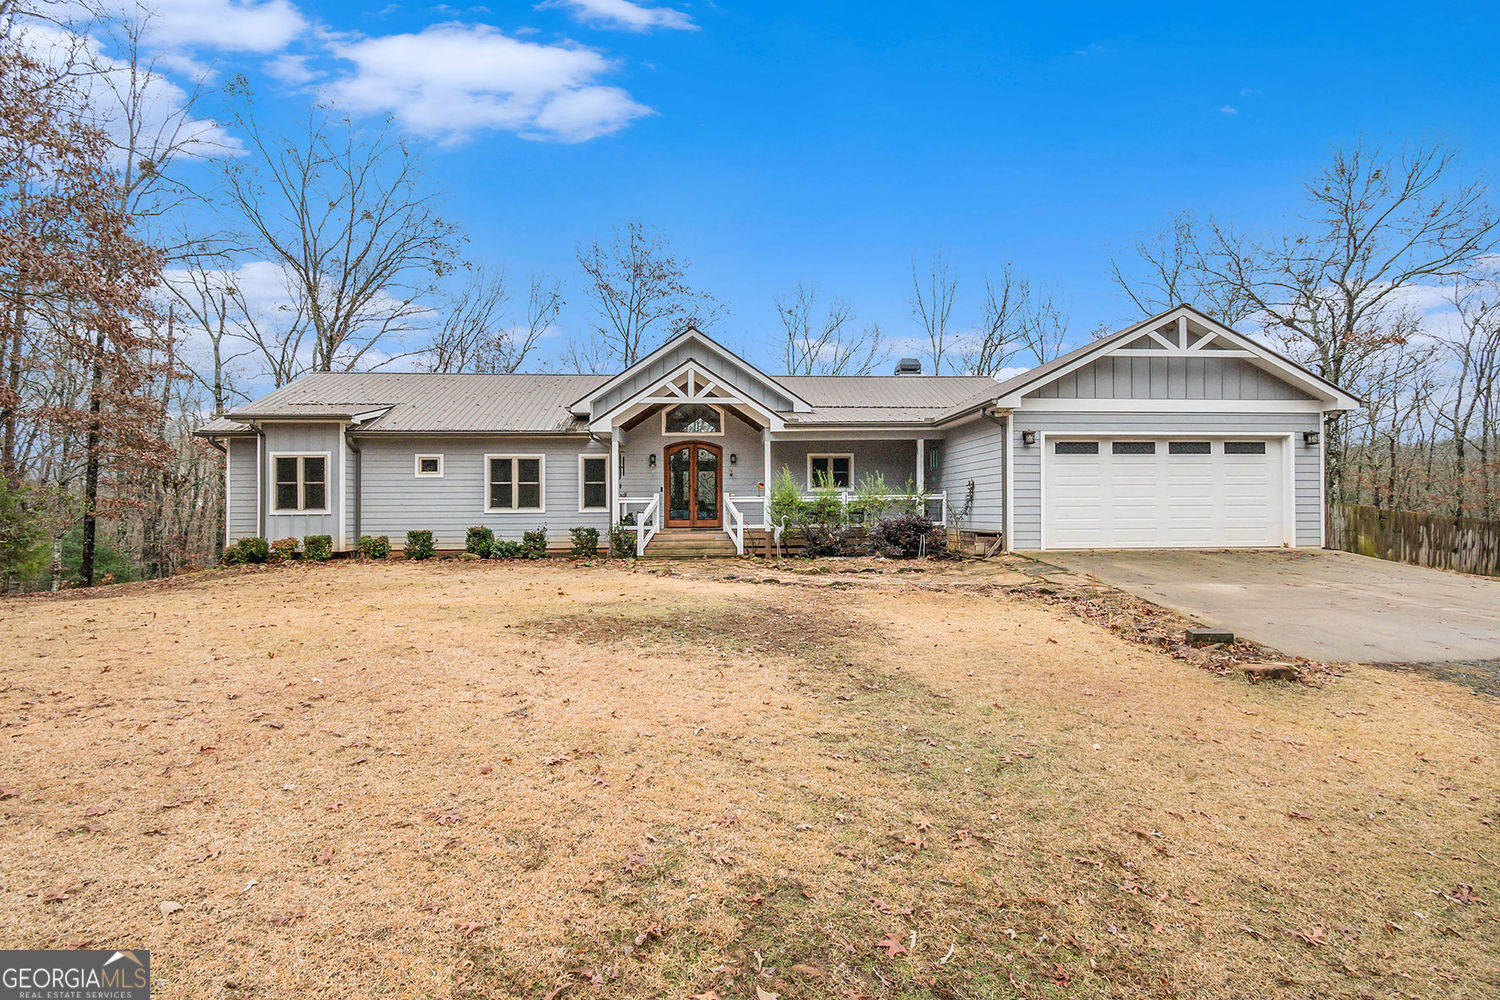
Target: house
{"type": "Point", "coordinates": [1174, 432]}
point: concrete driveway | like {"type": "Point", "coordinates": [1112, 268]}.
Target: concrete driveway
{"type": "Point", "coordinates": [1332, 606]}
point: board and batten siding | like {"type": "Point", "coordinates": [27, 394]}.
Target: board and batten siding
{"type": "Point", "coordinates": [243, 515]}
{"type": "Point", "coordinates": [737, 376]}
{"type": "Point", "coordinates": [1139, 376]}
{"type": "Point", "coordinates": [637, 445]}
{"type": "Point", "coordinates": [394, 500]}
{"type": "Point", "coordinates": [303, 438]}
{"type": "Point", "coordinates": [975, 452]}
{"type": "Point", "coordinates": [1026, 492]}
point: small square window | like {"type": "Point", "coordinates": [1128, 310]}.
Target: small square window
{"type": "Point", "coordinates": [430, 465]}
{"type": "Point", "coordinates": [1244, 447]}
{"type": "Point", "coordinates": [1189, 448]}
{"type": "Point", "coordinates": [1134, 447]}
{"type": "Point", "coordinates": [830, 470]}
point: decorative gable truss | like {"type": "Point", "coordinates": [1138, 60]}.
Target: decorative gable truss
{"type": "Point", "coordinates": [1183, 339]}
{"type": "Point", "coordinates": [690, 382]}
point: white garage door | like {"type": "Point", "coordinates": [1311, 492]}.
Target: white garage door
{"type": "Point", "coordinates": [1136, 493]}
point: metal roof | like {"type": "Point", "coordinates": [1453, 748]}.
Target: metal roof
{"type": "Point", "coordinates": [436, 403]}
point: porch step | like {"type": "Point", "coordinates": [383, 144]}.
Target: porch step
{"type": "Point", "coordinates": [686, 543]}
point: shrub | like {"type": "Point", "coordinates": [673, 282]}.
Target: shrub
{"type": "Point", "coordinates": [502, 549]}
{"type": "Point", "coordinates": [622, 538]}
{"type": "Point", "coordinates": [585, 541]}
{"type": "Point", "coordinates": [419, 545]}
{"type": "Point", "coordinates": [284, 550]}
{"type": "Point", "coordinates": [786, 498]}
{"type": "Point", "coordinates": [534, 543]}
{"type": "Point", "coordinates": [479, 540]}
{"type": "Point", "coordinates": [378, 547]}
{"type": "Point", "coordinates": [248, 550]}
{"type": "Point", "coordinates": [318, 548]}
{"type": "Point", "coordinates": [902, 536]}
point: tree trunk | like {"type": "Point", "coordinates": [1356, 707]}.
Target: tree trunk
{"type": "Point", "coordinates": [92, 464]}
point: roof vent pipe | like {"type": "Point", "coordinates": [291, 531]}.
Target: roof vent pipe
{"type": "Point", "coordinates": [909, 366]}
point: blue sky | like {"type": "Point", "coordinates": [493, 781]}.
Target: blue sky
{"type": "Point", "coordinates": [828, 142]}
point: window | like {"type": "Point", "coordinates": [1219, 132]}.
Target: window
{"type": "Point", "coordinates": [1189, 448]}
{"type": "Point", "coordinates": [1244, 447]}
{"type": "Point", "coordinates": [1076, 448]}
{"type": "Point", "coordinates": [430, 466]}
{"type": "Point", "coordinates": [301, 483]}
{"type": "Point", "coordinates": [693, 418]}
{"type": "Point", "coordinates": [830, 470]}
{"type": "Point", "coordinates": [1134, 447]}
{"type": "Point", "coordinates": [515, 482]}
{"type": "Point", "coordinates": [593, 482]}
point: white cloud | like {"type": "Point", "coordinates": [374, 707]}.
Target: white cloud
{"type": "Point", "coordinates": [292, 69]}
{"type": "Point", "coordinates": [623, 14]}
{"type": "Point", "coordinates": [1227, 110]}
{"type": "Point", "coordinates": [231, 25]}
{"type": "Point", "coordinates": [453, 80]}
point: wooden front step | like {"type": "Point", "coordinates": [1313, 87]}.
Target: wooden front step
{"type": "Point", "coordinates": [686, 543]}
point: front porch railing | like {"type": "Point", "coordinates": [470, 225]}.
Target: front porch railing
{"type": "Point", "coordinates": [735, 508]}
{"type": "Point", "coordinates": [645, 515]}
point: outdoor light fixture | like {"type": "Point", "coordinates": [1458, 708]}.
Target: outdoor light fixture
{"type": "Point", "coordinates": [1309, 438]}
{"type": "Point", "coordinates": [1028, 437]}
{"type": "Point", "coordinates": [733, 458]}
{"type": "Point", "coordinates": [652, 460]}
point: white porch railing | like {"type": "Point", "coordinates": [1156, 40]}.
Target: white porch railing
{"type": "Point", "coordinates": [925, 502]}
{"type": "Point", "coordinates": [734, 517]}
{"type": "Point", "coordinates": [647, 511]}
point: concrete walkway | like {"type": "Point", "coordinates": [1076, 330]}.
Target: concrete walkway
{"type": "Point", "coordinates": [1331, 606]}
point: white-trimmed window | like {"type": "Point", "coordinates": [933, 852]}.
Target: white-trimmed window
{"type": "Point", "coordinates": [593, 482]}
{"type": "Point", "coordinates": [300, 483]}
{"type": "Point", "coordinates": [693, 420]}
{"type": "Point", "coordinates": [515, 483]}
{"type": "Point", "coordinates": [834, 470]}
{"type": "Point", "coordinates": [429, 467]}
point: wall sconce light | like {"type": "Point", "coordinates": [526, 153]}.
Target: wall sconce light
{"type": "Point", "coordinates": [651, 461]}
{"type": "Point", "coordinates": [1310, 438]}
{"type": "Point", "coordinates": [1028, 438]}
{"type": "Point", "coordinates": [733, 458]}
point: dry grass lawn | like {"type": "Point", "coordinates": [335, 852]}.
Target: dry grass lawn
{"type": "Point", "coordinates": [458, 780]}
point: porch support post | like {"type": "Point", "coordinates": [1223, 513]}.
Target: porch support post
{"type": "Point", "coordinates": [765, 437]}
{"type": "Point", "coordinates": [614, 478]}
{"type": "Point", "coordinates": [921, 465]}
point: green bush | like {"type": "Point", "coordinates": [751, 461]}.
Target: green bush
{"type": "Point", "coordinates": [419, 545]}
{"type": "Point", "coordinates": [378, 547]}
{"type": "Point", "coordinates": [622, 538]}
{"type": "Point", "coordinates": [479, 540]}
{"type": "Point", "coordinates": [786, 498]}
{"type": "Point", "coordinates": [248, 550]}
{"type": "Point", "coordinates": [318, 548]}
{"type": "Point", "coordinates": [284, 550]}
{"type": "Point", "coordinates": [585, 541]}
{"type": "Point", "coordinates": [534, 543]}
{"type": "Point", "coordinates": [502, 549]}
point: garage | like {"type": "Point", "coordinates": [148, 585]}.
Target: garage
{"type": "Point", "coordinates": [1133, 492]}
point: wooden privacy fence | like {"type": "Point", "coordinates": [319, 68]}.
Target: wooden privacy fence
{"type": "Point", "coordinates": [1456, 543]}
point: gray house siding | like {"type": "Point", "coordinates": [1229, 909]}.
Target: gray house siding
{"type": "Point", "coordinates": [295, 438]}
{"type": "Point", "coordinates": [639, 479]}
{"type": "Point", "coordinates": [894, 459]}
{"type": "Point", "coordinates": [243, 515]}
{"type": "Point", "coordinates": [1122, 376]}
{"type": "Point", "coordinates": [394, 500]}
{"type": "Point", "coordinates": [975, 452]}
{"type": "Point", "coordinates": [739, 376]}
{"type": "Point", "coordinates": [1026, 493]}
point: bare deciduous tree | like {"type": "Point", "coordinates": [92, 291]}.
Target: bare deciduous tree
{"type": "Point", "coordinates": [1334, 290]}
{"type": "Point", "coordinates": [347, 217]}
{"type": "Point", "coordinates": [641, 295]}
{"type": "Point", "coordinates": [825, 344]}
{"type": "Point", "coordinates": [1019, 319]}
{"type": "Point", "coordinates": [475, 335]}
{"type": "Point", "coordinates": [933, 291]}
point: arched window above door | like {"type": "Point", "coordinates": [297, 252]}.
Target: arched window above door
{"type": "Point", "coordinates": [693, 418]}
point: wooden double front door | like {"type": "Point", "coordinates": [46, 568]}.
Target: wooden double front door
{"type": "Point", "coordinates": [694, 485]}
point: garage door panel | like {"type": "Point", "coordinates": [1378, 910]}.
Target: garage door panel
{"type": "Point", "coordinates": [1146, 496]}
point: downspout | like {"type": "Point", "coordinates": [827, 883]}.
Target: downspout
{"type": "Point", "coordinates": [1006, 466]}
{"type": "Point", "coordinates": [358, 474]}
{"type": "Point", "coordinates": [222, 541]}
